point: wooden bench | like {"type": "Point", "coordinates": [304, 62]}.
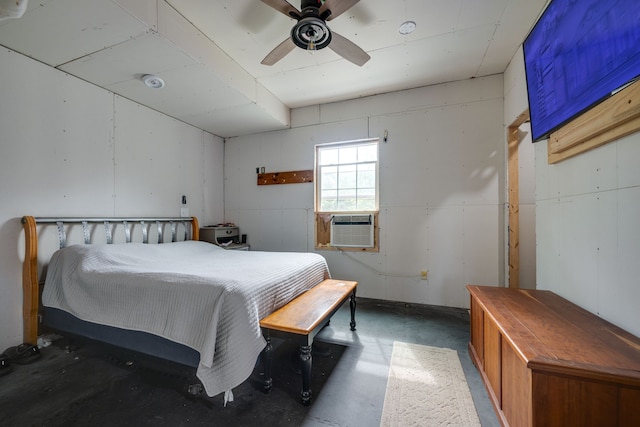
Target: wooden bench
{"type": "Point", "coordinates": [302, 319]}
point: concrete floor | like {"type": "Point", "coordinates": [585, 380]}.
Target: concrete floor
{"type": "Point", "coordinates": [87, 384]}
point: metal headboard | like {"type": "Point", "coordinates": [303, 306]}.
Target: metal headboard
{"type": "Point", "coordinates": [126, 225]}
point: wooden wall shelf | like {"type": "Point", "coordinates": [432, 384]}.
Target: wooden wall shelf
{"type": "Point", "coordinates": [612, 119]}
{"type": "Point", "coordinates": [291, 177]}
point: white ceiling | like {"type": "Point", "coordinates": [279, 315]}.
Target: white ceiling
{"type": "Point", "coordinates": [209, 52]}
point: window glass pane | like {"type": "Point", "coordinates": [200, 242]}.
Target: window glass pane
{"type": "Point", "coordinates": [366, 205]}
{"type": "Point", "coordinates": [329, 205]}
{"type": "Point", "coordinates": [346, 205]}
{"type": "Point", "coordinates": [368, 153]}
{"type": "Point", "coordinates": [329, 156]}
{"type": "Point", "coordinates": [348, 155]}
{"type": "Point", "coordinates": [367, 175]}
{"type": "Point", "coordinates": [329, 199]}
{"type": "Point", "coordinates": [329, 177]}
{"type": "Point", "coordinates": [329, 194]}
{"type": "Point", "coordinates": [347, 177]}
{"type": "Point", "coordinates": [367, 167]}
{"type": "Point", "coordinates": [367, 193]}
{"type": "Point", "coordinates": [347, 199]}
{"type": "Point", "coordinates": [366, 198]}
{"type": "Point", "coordinates": [344, 193]}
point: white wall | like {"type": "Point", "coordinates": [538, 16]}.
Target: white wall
{"type": "Point", "coordinates": [441, 189]}
{"type": "Point", "coordinates": [68, 148]}
{"type": "Point", "coordinates": [588, 227]}
{"type": "Point", "coordinates": [588, 223]}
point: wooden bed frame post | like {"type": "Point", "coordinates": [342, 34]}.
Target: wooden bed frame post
{"type": "Point", "coordinates": [30, 291]}
{"type": "Point", "coordinates": [195, 229]}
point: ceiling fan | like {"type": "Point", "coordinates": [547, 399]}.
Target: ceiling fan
{"type": "Point", "coordinates": [311, 31]}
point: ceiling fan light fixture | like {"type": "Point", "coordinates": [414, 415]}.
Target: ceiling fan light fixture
{"type": "Point", "coordinates": [154, 82]}
{"type": "Point", "coordinates": [407, 27]}
{"type": "Point", "coordinates": [311, 47]}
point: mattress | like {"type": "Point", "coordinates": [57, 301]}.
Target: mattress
{"type": "Point", "coordinates": [193, 293]}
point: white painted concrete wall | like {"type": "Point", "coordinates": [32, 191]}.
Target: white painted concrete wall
{"type": "Point", "coordinates": [588, 226]}
{"type": "Point", "coordinates": [71, 149]}
{"type": "Point", "coordinates": [441, 189]}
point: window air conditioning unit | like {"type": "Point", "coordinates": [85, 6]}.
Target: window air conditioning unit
{"type": "Point", "coordinates": [352, 231]}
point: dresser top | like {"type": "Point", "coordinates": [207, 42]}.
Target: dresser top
{"type": "Point", "coordinates": [553, 334]}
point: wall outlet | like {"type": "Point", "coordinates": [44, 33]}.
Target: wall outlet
{"type": "Point", "coordinates": [424, 274]}
{"type": "Point", "coordinates": [184, 212]}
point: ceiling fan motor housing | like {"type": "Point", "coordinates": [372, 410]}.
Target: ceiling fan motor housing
{"type": "Point", "coordinates": [305, 4]}
{"type": "Point", "coordinates": [311, 29]}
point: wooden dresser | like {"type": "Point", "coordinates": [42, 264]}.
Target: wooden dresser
{"type": "Point", "coordinates": [547, 362]}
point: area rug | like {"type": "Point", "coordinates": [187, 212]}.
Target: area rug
{"type": "Point", "coordinates": [427, 387]}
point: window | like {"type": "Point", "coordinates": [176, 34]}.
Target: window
{"type": "Point", "coordinates": [346, 196]}
{"type": "Point", "coordinates": [347, 176]}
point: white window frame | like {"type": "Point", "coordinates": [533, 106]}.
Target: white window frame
{"type": "Point", "coordinates": [318, 177]}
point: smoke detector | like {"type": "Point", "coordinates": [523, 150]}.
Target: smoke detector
{"type": "Point", "coordinates": [154, 82]}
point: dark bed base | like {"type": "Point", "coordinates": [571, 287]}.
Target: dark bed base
{"type": "Point", "coordinates": [142, 342]}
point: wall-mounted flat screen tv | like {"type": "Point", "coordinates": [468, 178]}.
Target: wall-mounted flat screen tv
{"type": "Point", "coordinates": [578, 54]}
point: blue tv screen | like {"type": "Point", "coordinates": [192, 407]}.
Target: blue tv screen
{"type": "Point", "coordinates": [578, 54]}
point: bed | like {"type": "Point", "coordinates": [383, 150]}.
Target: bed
{"type": "Point", "coordinates": [180, 299]}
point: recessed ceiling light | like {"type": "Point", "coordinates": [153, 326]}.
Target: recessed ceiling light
{"type": "Point", "coordinates": [152, 81]}
{"type": "Point", "coordinates": [407, 27]}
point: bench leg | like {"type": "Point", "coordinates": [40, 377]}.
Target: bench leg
{"type": "Point", "coordinates": [305, 363]}
{"type": "Point", "coordinates": [266, 365]}
{"type": "Point", "coordinates": [352, 304]}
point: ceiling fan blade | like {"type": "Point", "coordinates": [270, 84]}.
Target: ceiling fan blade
{"type": "Point", "coordinates": [337, 7]}
{"type": "Point", "coordinates": [348, 49]}
{"type": "Point", "coordinates": [283, 7]}
{"type": "Point", "coordinates": [279, 52]}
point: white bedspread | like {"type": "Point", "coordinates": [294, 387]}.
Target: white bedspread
{"type": "Point", "coordinates": [193, 293]}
